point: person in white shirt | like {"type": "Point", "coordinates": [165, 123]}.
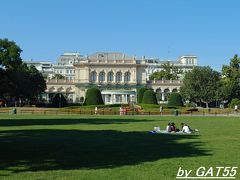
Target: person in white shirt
{"type": "Point", "coordinates": [186, 129]}
{"type": "Point", "coordinates": [168, 128]}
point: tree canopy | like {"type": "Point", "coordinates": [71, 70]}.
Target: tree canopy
{"type": "Point", "coordinates": [200, 85]}
{"type": "Point", "coordinates": [231, 79]}
{"type": "Point", "coordinates": [17, 79]}
{"type": "Point", "coordinates": [168, 72]}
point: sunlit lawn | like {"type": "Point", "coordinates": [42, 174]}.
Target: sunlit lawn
{"type": "Point", "coordinates": [112, 147]}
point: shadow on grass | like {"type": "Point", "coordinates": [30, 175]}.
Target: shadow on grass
{"type": "Point", "coordinates": [66, 121]}
{"type": "Point", "coordinates": [37, 150]}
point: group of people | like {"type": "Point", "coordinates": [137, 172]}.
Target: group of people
{"type": "Point", "coordinates": [171, 127]}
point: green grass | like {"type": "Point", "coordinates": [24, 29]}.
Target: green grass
{"type": "Point", "coordinates": [112, 147]}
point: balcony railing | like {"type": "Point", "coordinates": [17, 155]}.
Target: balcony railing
{"type": "Point", "coordinates": [165, 82]}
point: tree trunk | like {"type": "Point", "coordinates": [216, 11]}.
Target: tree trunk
{"type": "Point", "coordinates": [206, 104]}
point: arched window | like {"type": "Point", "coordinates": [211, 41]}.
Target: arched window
{"type": "Point", "coordinates": [118, 77]}
{"type": "Point", "coordinates": [102, 76]}
{"type": "Point", "coordinates": [110, 77]}
{"type": "Point", "coordinates": [127, 76]}
{"type": "Point", "coordinates": [174, 90]}
{"type": "Point", "coordinates": [166, 94]}
{"type": "Point", "coordinates": [159, 94]}
{"type": "Point", "coordinates": [93, 76]}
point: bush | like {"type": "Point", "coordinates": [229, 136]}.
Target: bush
{"type": "Point", "coordinates": [93, 97]}
{"type": "Point", "coordinates": [175, 99]}
{"type": "Point", "coordinates": [140, 94]}
{"type": "Point", "coordinates": [234, 102]}
{"type": "Point", "coordinates": [149, 97]}
{"type": "Point", "coordinates": [59, 101]}
{"type": "Point", "coordinates": [192, 109]}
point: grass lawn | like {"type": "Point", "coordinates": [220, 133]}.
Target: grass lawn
{"type": "Point", "coordinates": [112, 147]}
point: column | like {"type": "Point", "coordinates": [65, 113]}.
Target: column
{"type": "Point", "coordinates": [123, 98]}
{"type": "Point", "coordinates": [123, 73]}
{"type": "Point", "coordinates": [163, 98]}
{"type": "Point", "coordinates": [114, 76]}
{"type": "Point", "coordinates": [97, 77]}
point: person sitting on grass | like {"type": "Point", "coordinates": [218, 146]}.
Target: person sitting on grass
{"type": "Point", "coordinates": [188, 130]}
{"type": "Point", "coordinates": [173, 127]}
{"type": "Point", "coordinates": [168, 128]}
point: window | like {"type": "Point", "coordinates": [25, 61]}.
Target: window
{"type": "Point", "coordinates": [102, 76]}
{"type": "Point", "coordinates": [67, 71]}
{"type": "Point", "coordinates": [93, 76]}
{"type": "Point", "coordinates": [118, 98]}
{"type": "Point", "coordinates": [70, 71]}
{"type": "Point", "coordinates": [118, 77]}
{"type": "Point", "coordinates": [127, 77]}
{"type": "Point", "coordinates": [110, 77]}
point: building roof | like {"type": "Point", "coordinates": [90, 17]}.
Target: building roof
{"type": "Point", "coordinates": [110, 56]}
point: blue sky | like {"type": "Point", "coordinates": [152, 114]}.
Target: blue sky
{"type": "Point", "coordinates": [45, 29]}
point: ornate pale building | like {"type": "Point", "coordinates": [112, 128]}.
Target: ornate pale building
{"type": "Point", "coordinates": [117, 75]}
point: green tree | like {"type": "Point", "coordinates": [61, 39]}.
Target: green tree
{"type": "Point", "coordinates": [9, 54]}
{"type": "Point", "coordinates": [175, 99]}
{"type": "Point", "coordinates": [93, 97]}
{"type": "Point", "coordinates": [149, 97]}
{"type": "Point", "coordinates": [17, 80]}
{"type": "Point", "coordinates": [58, 76]}
{"type": "Point", "coordinates": [234, 102]}
{"type": "Point", "coordinates": [140, 94]}
{"type": "Point", "coordinates": [168, 72]}
{"type": "Point", "coordinates": [59, 101]}
{"type": "Point", "coordinates": [200, 85]}
{"type": "Point", "coordinates": [231, 78]}
{"type": "Point", "coordinates": [38, 84]}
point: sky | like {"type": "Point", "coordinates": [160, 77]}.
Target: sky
{"type": "Point", "coordinates": [167, 29]}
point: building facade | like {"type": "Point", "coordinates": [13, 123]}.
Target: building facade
{"type": "Point", "coordinates": [117, 75]}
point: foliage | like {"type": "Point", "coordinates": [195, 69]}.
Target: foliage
{"type": "Point", "coordinates": [58, 76]}
{"type": "Point", "coordinates": [93, 97]}
{"type": "Point", "coordinates": [9, 54]}
{"type": "Point", "coordinates": [200, 85]}
{"type": "Point", "coordinates": [149, 97]}
{"type": "Point", "coordinates": [59, 101]}
{"type": "Point", "coordinates": [230, 82]}
{"type": "Point", "coordinates": [234, 102]}
{"type": "Point", "coordinates": [168, 72]}
{"type": "Point", "coordinates": [17, 79]}
{"type": "Point", "coordinates": [175, 99]}
{"type": "Point", "coordinates": [140, 94]}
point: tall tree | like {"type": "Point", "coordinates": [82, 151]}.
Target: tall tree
{"type": "Point", "coordinates": [231, 78]}
{"type": "Point", "coordinates": [200, 85]}
{"type": "Point", "coordinates": [168, 72]}
{"type": "Point", "coordinates": [9, 54]}
{"type": "Point", "coordinates": [17, 79]}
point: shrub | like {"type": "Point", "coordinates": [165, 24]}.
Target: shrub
{"type": "Point", "coordinates": [234, 102]}
{"type": "Point", "coordinates": [149, 97]}
{"type": "Point", "coordinates": [175, 99]}
{"type": "Point", "coordinates": [140, 94]}
{"type": "Point", "coordinates": [59, 100]}
{"type": "Point", "coordinates": [93, 97]}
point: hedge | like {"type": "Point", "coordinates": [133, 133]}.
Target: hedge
{"type": "Point", "coordinates": [93, 97]}
{"type": "Point", "coordinates": [59, 101]}
{"type": "Point", "coordinates": [149, 97]}
{"type": "Point", "coordinates": [140, 94]}
{"type": "Point", "coordinates": [175, 99]}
